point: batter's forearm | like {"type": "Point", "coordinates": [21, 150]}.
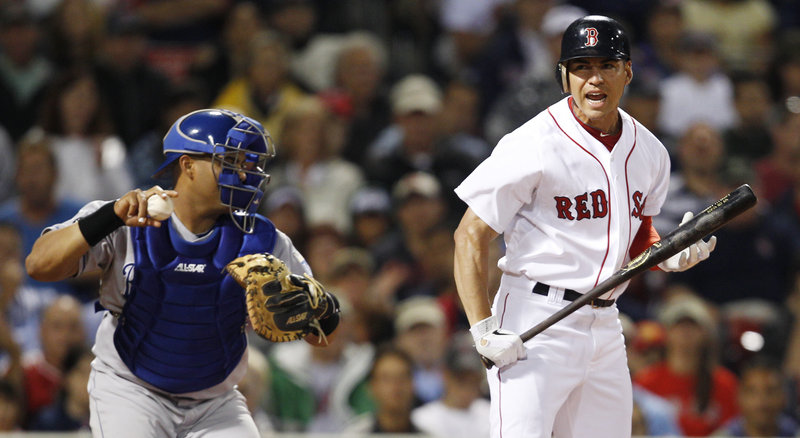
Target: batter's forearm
{"type": "Point", "coordinates": [56, 255]}
{"type": "Point", "coordinates": [471, 268]}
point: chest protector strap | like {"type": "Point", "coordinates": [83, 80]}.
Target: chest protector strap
{"type": "Point", "coordinates": [182, 328]}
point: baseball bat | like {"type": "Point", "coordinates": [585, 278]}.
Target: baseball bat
{"type": "Point", "coordinates": [704, 223]}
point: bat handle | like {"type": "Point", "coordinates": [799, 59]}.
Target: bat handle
{"type": "Point", "coordinates": [487, 362]}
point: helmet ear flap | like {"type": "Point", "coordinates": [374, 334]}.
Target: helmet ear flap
{"type": "Point", "coordinates": [561, 77]}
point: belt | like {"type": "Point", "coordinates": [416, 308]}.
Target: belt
{"type": "Point", "coordinates": [571, 295]}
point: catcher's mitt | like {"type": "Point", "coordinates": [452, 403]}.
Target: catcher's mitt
{"type": "Point", "coordinates": [282, 306]}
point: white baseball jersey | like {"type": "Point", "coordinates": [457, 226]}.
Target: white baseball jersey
{"type": "Point", "coordinates": [568, 208]}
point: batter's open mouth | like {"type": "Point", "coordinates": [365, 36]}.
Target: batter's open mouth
{"type": "Point", "coordinates": [596, 97]}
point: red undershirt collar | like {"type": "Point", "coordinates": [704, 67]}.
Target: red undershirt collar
{"type": "Point", "coordinates": [608, 140]}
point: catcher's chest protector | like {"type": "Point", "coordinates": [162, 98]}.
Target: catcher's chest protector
{"type": "Point", "coordinates": [182, 327]}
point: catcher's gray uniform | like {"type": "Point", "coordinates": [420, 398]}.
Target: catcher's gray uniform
{"type": "Point", "coordinates": [124, 405]}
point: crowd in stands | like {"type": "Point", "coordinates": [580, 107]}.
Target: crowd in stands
{"type": "Point", "coordinates": [379, 109]}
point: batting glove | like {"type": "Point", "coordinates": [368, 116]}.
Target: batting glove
{"type": "Point", "coordinates": [694, 254]}
{"type": "Point", "coordinates": [503, 347]}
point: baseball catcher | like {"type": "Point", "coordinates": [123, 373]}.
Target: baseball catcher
{"type": "Point", "coordinates": [283, 306]}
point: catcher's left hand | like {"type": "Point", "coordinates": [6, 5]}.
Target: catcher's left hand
{"type": "Point", "coordinates": [283, 306]}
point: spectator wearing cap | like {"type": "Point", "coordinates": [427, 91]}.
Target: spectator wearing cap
{"type": "Point", "coordinates": [418, 207]}
{"type": "Point", "coordinates": [371, 215]}
{"type": "Point", "coordinates": [285, 207]}
{"type": "Point", "coordinates": [690, 375]}
{"type": "Point", "coordinates": [408, 144]}
{"type": "Point", "coordinates": [24, 72]}
{"type": "Point", "coordinates": [421, 332]}
{"type": "Point", "coordinates": [461, 411]}
{"type": "Point", "coordinates": [326, 181]}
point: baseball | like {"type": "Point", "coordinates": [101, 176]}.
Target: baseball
{"type": "Point", "coordinates": [159, 208]}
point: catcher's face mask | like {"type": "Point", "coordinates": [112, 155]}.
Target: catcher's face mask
{"type": "Point", "coordinates": [239, 147]}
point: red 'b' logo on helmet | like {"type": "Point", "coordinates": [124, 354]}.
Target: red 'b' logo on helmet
{"type": "Point", "coordinates": [591, 37]}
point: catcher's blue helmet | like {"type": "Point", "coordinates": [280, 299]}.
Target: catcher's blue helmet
{"type": "Point", "coordinates": [238, 143]}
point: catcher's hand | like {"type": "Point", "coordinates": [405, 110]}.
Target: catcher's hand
{"type": "Point", "coordinates": [282, 306]}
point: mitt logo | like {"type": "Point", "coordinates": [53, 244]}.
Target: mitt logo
{"type": "Point", "coordinates": [300, 317]}
{"type": "Point", "coordinates": [591, 37]}
{"type": "Point", "coordinates": [191, 267]}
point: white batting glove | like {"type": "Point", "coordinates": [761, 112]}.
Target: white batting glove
{"type": "Point", "coordinates": [694, 254]}
{"type": "Point", "coordinates": [503, 347]}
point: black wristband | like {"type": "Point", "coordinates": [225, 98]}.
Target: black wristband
{"type": "Point", "coordinates": [330, 319]}
{"type": "Point", "coordinates": [99, 224]}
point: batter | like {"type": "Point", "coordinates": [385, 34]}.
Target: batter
{"type": "Point", "coordinates": [573, 192]}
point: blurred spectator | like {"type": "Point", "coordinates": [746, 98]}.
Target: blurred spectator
{"type": "Point", "coordinates": [75, 31]}
{"type": "Point", "coordinates": [391, 384]}
{"type": "Point", "coordinates": [516, 49]}
{"type": "Point", "coordinates": [176, 30]}
{"type": "Point", "coordinates": [357, 86]}
{"type": "Point", "coordinates": [696, 182]}
{"type": "Point", "coordinates": [265, 92]}
{"type": "Point", "coordinates": [460, 148]}
{"type": "Point", "coordinates": [653, 415]}
{"type": "Point", "coordinates": [467, 27]}
{"type": "Point", "coordinates": [294, 19]}
{"type": "Point", "coordinates": [146, 154]}
{"type": "Point", "coordinates": [762, 400]}
{"type": "Point", "coordinates": [754, 254]}
{"type": "Point", "coordinates": [744, 29]}
{"type": "Point", "coordinates": [326, 181]}
{"type": "Point", "coordinates": [20, 304]}
{"type": "Point", "coordinates": [36, 205]}
{"type": "Point", "coordinates": [752, 328]}
{"type": "Point", "coordinates": [658, 54]}
{"type": "Point", "coordinates": [135, 93]}
{"type": "Point", "coordinates": [371, 215]}
{"type": "Point", "coordinates": [255, 387]}
{"type": "Point", "coordinates": [703, 392]}
{"type": "Point", "coordinates": [70, 409]}
{"type": "Point", "coordinates": [786, 75]}
{"type": "Point", "coordinates": [6, 166]}
{"type": "Point", "coordinates": [642, 101]}
{"type": "Point", "coordinates": [777, 171]}
{"type": "Point", "coordinates": [532, 93]}
{"type": "Point", "coordinates": [227, 58]}
{"type": "Point", "coordinates": [321, 389]}
{"type": "Point", "coordinates": [461, 411]}
{"type": "Point", "coordinates": [418, 207]}
{"type": "Point", "coordinates": [421, 331]}
{"type": "Point", "coordinates": [61, 329]}
{"type": "Point", "coordinates": [285, 207]}
{"type": "Point", "coordinates": [23, 70]}
{"type": "Point", "coordinates": [409, 143]}
{"type": "Point", "coordinates": [321, 244]}
{"type": "Point", "coordinates": [12, 403]}
{"type": "Point", "coordinates": [699, 91]}
{"type": "Point", "coordinates": [91, 158]}
{"type": "Point", "coordinates": [750, 137]}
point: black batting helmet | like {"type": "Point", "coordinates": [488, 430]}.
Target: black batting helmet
{"type": "Point", "coordinates": [592, 36]}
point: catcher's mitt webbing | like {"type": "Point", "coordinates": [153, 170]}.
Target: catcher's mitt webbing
{"type": "Point", "coordinates": [282, 307]}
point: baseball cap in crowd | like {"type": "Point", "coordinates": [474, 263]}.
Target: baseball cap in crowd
{"type": "Point", "coordinates": [416, 183]}
{"type": "Point", "coordinates": [418, 310]}
{"type": "Point", "coordinates": [281, 196]}
{"type": "Point", "coordinates": [347, 258]}
{"type": "Point", "coordinates": [697, 42]}
{"type": "Point", "coordinates": [416, 93]}
{"type": "Point", "coordinates": [559, 17]}
{"type": "Point", "coordinates": [684, 308]}
{"type": "Point", "coordinates": [370, 200]}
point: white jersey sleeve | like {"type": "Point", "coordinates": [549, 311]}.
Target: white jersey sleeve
{"type": "Point", "coordinates": [503, 183]}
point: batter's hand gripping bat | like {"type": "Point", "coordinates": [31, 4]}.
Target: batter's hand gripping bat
{"type": "Point", "coordinates": [701, 225]}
